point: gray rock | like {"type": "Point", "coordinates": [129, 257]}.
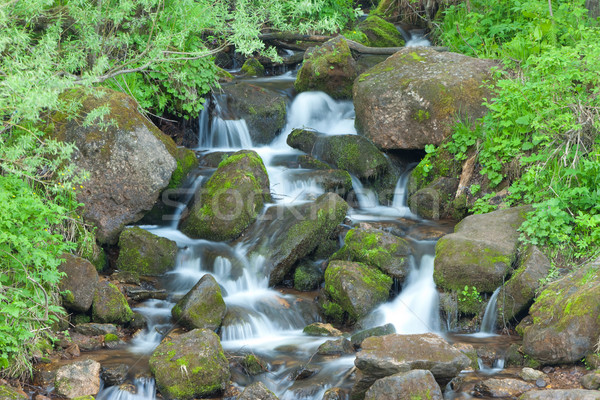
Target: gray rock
{"type": "Point", "coordinates": [128, 162]}
{"type": "Point", "coordinates": [415, 384]}
{"type": "Point", "coordinates": [10, 393]}
{"type": "Point", "coordinates": [561, 394]}
{"type": "Point", "coordinates": [202, 306]}
{"type": "Point", "coordinates": [145, 253]}
{"type": "Point", "coordinates": [530, 374]}
{"type": "Point", "coordinates": [257, 391]}
{"type": "Point", "coordinates": [81, 378]}
{"type": "Point", "coordinates": [92, 329]}
{"type": "Point", "coordinates": [501, 388]}
{"type": "Point", "coordinates": [115, 374]}
{"type": "Point", "coordinates": [320, 329]}
{"type": "Point", "coordinates": [307, 277]}
{"type": "Point", "coordinates": [359, 337]}
{"type": "Point", "coordinates": [80, 281]}
{"type": "Point", "coordinates": [336, 347]}
{"type": "Point", "coordinates": [412, 98]}
{"type": "Point", "coordinates": [591, 381]}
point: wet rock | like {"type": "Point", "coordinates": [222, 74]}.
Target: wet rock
{"type": "Point", "coordinates": [481, 251]}
{"type": "Point", "coordinates": [110, 306]}
{"type": "Point", "coordinates": [320, 329]}
{"type": "Point", "coordinates": [190, 365]}
{"type": "Point", "coordinates": [231, 199]}
{"type": "Point", "coordinates": [93, 329]}
{"type": "Point", "coordinates": [359, 337]}
{"type": "Point", "coordinates": [307, 277]}
{"type": "Point", "coordinates": [335, 393]}
{"type": "Point", "coordinates": [10, 393]}
{"type": "Point", "coordinates": [128, 162]}
{"type": "Point", "coordinates": [138, 321]}
{"type": "Point", "coordinates": [356, 288]}
{"type": "Point", "coordinates": [202, 306]}
{"type": "Point", "coordinates": [139, 294]}
{"type": "Point", "coordinates": [186, 162]}
{"type": "Point", "coordinates": [81, 378]}
{"type": "Point", "coordinates": [518, 293]}
{"type": "Point", "coordinates": [263, 110]}
{"type": "Point", "coordinates": [145, 253]}
{"type": "Point", "coordinates": [303, 373]}
{"type": "Point", "coordinates": [294, 232]}
{"type": "Point", "coordinates": [591, 381]}
{"type": "Point", "coordinates": [306, 161]}
{"type": "Point", "coordinates": [112, 341]}
{"type": "Point", "coordinates": [561, 394]}
{"type": "Point", "coordinates": [85, 343]}
{"type": "Point", "coordinates": [502, 388]}
{"type": "Point", "coordinates": [380, 33]}
{"type": "Point", "coordinates": [469, 351]}
{"type": "Point", "coordinates": [329, 68]}
{"type": "Point", "coordinates": [80, 281]}
{"type": "Point", "coordinates": [72, 351]}
{"type": "Point", "coordinates": [331, 180]}
{"type": "Point", "coordinates": [514, 358]}
{"type": "Point", "coordinates": [412, 98]}
{"type": "Point", "coordinates": [115, 374]}
{"type": "Point", "coordinates": [336, 347]}
{"type": "Point", "coordinates": [213, 159]}
{"type": "Point", "coordinates": [432, 201]}
{"type": "Point", "coordinates": [253, 67]}
{"type": "Point", "coordinates": [126, 277]}
{"type": "Point", "coordinates": [415, 384]}
{"type": "Point", "coordinates": [383, 356]}
{"type": "Point", "coordinates": [253, 365]}
{"type": "Point", "coordinates": [257, 391]}
{"type": "Point", "coordinates": [566, 318]}
{"type": "Point", "coordinates": [378, 249]}
{"type": "Point", "coordinates": [530, 374]}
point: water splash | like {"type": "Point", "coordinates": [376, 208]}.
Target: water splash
{"type": "Point", "coordinates": [488, 323]}
{"type": "Point", "coordinates": [145, 389]}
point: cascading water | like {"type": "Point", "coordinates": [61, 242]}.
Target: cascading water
{"type": "Point", "coordinates": [488, 323]}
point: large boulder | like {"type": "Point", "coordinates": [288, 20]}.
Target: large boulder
{"type": "Point", "coordinates": [125, 155]}
{"type": "Point", "coordinates": [202, 306]}
{"type": "Point", "coordinates": [502, 388]}
{"type": "Point", "coordinates": [110, 305]}
{"type": "Point", "coordinates": [231, 199]}
{"type": "Point", "coordinates": [561, 394]}
{"type": "Point", "coordinates": [263, 110]}
{"type": "Point", "coordinates": [145, 253]}
{"type": "Point", "coordinates": [355, 288]}
{"type": "Point", "coordinates": [380, 33]}
{"type": "Point", "coordinates": [291, 233]}
{"type": "Point", "coordinates": [411, 385]}
{"type": "Point", "coordinates": [518, 293]}
{"type": "Point", "coordinates": [566, 318]}
{"type": "Point", "coordinates": [480, 252]}
{"type": "Point", "coordinates": [413, 97]}
{"type": "Point", "coordinates": [383, 356]}
{"type": "Point", "coordinates": [190, 366]}
{"type": "Point", "coordinates": [81, 378]}
{"type": "Point", "coordinates": [79, 283]}
{"type": "Point", "coordinates": [329, 68]}
{"type": "Point", "coordinates": [376, 248]}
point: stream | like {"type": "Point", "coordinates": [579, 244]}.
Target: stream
{"type": "Point", "coordinates": [268, 321]}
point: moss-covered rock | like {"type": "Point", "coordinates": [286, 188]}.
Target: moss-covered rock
{"type": "Point", "coordinates": [125, 154]}
{"type": "Point", "coordinates": [9, 393]}
{"type": "Point", "coordinates": [145, 253]}
{"type": "Point", "coordinates": [329, 68]}
{"type": "Point", "coordinates": [414, 97]}
{"type": "Point", "coordinates": [109, 305]}
{"type": "Point", "coordinates": [307, 276]}
{"type": "Point", "coordinates": [231, 199]}
{"type": "Point", "coordinates": [356, 288]}
{"type": "Point", "coordinates": [380, 33]}
{"type": "Point", "coordinates": [303, 140]}
{"type": "Point", "coordinates": [519, 291]}
{"type": "Point", "coordinates": [263, 110]}
{"type": "Point", "coordinates": [257, 391]}
{"type": "Point", "coordinates": [320, 329]}
{"type": "Point", "coordinates": [331, 180]}
{"type": "Point", "coordinates": [96, 255]}
{"type": "Point", "coordinates": [253, 365]}
{"type": "Point", "coordinates": [294, 232]}
{"type": "Point", "coordinates": [186, 163]}
{"type": "Point", "coordinates": [202, 306]}
{"type": "Point", "coordinates": [253, 67]}
{"type": "Point", "coordinates": [378, 249]}
{"type": "Point", "coordinates": [191, 365]}
{"type": "Point", "coordinates": [566, 318]}
{"type": "Point", "coordinates": [481, 251]}
{"type": "Point", "coordinates": [309, 162]}
{"type": "Point", "coordinates": [79, 283]}
{"type": "Point", "coordinates": [214, 158]}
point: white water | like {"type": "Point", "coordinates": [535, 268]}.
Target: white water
{"type": "Point", "coordinates": [488, 323]}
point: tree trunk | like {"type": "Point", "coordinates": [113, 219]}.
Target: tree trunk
{"type": "Point", "coordinates": [593, 7]}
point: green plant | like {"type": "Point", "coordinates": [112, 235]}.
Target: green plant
{"type": "Point", "coordinates": [469, 298]}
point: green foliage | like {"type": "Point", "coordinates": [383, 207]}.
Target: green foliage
{"type": "Point", "coordinates": [539, 136]}
{"type": "Point", "coordinates": [427, 165]}
{"type": "Point", "coordinates": [469, 299]}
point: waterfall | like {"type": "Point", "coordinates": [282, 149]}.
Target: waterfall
{"type": "Point", "coordinates": [367, 199]}
{"type": "Point", "coordinates": [221, 132]}
{"type": "Point", "coordinates": [488, 323]}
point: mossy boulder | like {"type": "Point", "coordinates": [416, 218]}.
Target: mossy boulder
{"type": "Point", "coordinates": [329, 68]}
{"type": "Point", "coordinates": [480, 252]}
{"type": "Point", "coordinates": [263, 110]}
{"type": "Point", "coordinates": [376, 248]}
{"type": "Point", "coordinates": [356, 287]}
{"type": "Point", "coordinates": [231, 199]}
{"type": "Point", "coordinates": [417, 384]}
{"type": "Point", "coordinates": [110, 305]}
{"type": "Point", "coordinates": [519, 291]}
{"type": "Point", "coordinates": [414, 97]}
{"type": "Point", "coordinates": [257, 391]}
{"type": "Point", "coordinates": [191, 365]}
{"type": "Point", "coordinates": [186, 163]}
{"type": "Point", "coordinates": [352, 153]}
{"type": "Point", "coordinates": [566, 318]}
{"type": "Point", "coordinates": [307, 276]}
{"type": "Point", "coordinates": [320, 329]}
{"type": "Point", "coordinates": [202, 306]}
{"type": "Point", "coordinates": [145, 253]}
{"type": "Point", "coordinates": [291, 233]}
{"type": "Point", "coordinates": [9, 393]}
{"type": "Point", "coordinates": [125, 155]}
{"type": "Point", "coordinates": [79, 283]}
{"type": "Point", "coordinates": [309, 162]}
{"type": "Point", "coordinates": [380, 33]}
{"type": "Point", "coordinates": [383, 356]}
{"type": "Point", "coordinates": [331, 180]}
{"type": "Point", "coordinates": [253, 67]}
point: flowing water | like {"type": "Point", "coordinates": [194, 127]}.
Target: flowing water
{"type": "Point", "coordinates": [262, 320]}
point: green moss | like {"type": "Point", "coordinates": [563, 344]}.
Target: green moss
{"type": "Point", "coordinates": [144, 253]}
{"type": "Point", "coordinates": [186, 162]}
{"type": "Point", "coordinates": [110, 337]}
{"type": "Point", "coordinates": [253, 67]}
{"type": "Point", "coordinates": [333, 312]}
{"type": "Point", "coordinates": [111, 306]}
{"type": "Point", "coordinates": [381, 33]}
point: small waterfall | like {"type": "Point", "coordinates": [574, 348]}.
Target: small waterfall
{"type": "Point", "coordinates": [400, 201]}
{"type": "Point", "coordinates": [145, 389]}
{"type": "Point", "coordinates": [496, 367]}
{"type": "Point", "coordinates": [417, 39]}
{"type": "Point", "coordinates": [188, 194]}
{"type": "Point", "coordinates": [488, 323]}
{"type": "Point", "coordinates": [318, 111]}
{"type": "Point", "coordinates": [367, 199]}
{"type": "Point", "coordinates": [222, 132]}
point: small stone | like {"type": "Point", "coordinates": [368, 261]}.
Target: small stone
{"type": "Point", "coordinates": [591, 381]}
{"type": "Point", "coordinates": [541, 383]}
{"type": "Point", "coordinates": [530, 374]}
{"type": "Point", "coordinates": [81, 378]}
{"type": "Point", "coordinates": [320, 329]}
{"type": "Point", "coordinates": [93, 329]}
{"type": "Point", "coordinates": [115, 374]}
{"type": "Point", "coordinates": [336, 347]}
